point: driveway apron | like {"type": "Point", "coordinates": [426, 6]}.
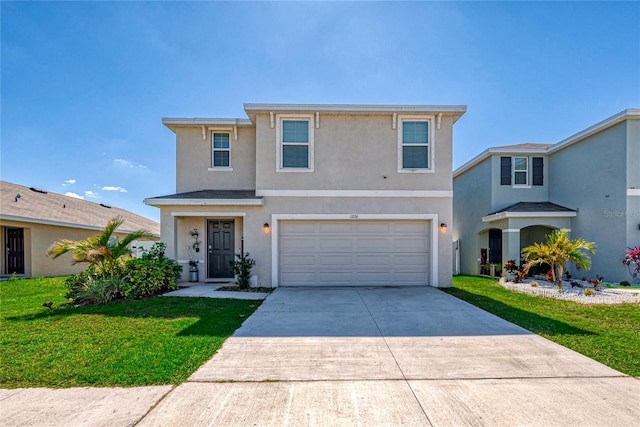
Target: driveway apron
{"type": "Point", "coordinates": [393, 356]}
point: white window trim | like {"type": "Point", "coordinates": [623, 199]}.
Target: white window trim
{"type": "Point", "coordinates": [513, 172]}
{"type": "Point", "coordinates": [214, 168]}
{"type": "Point", "coordinates": [431, 158]}
{"type": "Point", "coordinates": [279, 119]}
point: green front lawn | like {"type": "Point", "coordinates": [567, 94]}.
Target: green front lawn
{"type": "Point", "coordinates": [156, 341]}
{"type": "Point", "coordinates": [608, 334]}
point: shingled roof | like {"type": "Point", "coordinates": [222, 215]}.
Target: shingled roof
{"type": "Point", "coordinates": [44, 207]}
{"type": "Point", "coordinates": [534, 207]}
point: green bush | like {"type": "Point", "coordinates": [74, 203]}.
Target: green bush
{"type": "Point", "coordinates": [151, 274]}
{"type": "Point", "coordinates": [625, 283]}
{"type": "Point", "coordinates": [88, 288]}
{"type": "Point", "coordinates": [242, 269]}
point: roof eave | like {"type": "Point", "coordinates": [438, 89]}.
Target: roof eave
{"type": "Point", "coordinates": [158, 202]}
{"type": "Point", "coordinates": [176, 122]}
{"type": "Point", "coordinates": [63, 224]}
{"type": "Point", "coordinates": [493, 151]}
{"type": "Point", "coordinates": [598, 127]}
{"type": "Point", "coordinates": [503, 215]}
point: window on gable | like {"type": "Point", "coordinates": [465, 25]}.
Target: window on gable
{"type": "Point", "coordinates": [221, 150]}
{"type": "Point", "coordinates": [295, 143]}
{"type": "Point", "coordinates": [414, 145]}
{"type": "Point", "coordinates": [521, 171]}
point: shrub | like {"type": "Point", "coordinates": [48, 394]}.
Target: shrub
{"type": "Point", "coordinates": [534, 284]}
{"type": "Point", "coordinates": [625, 283]}
{"type": "Point", "coordinates": [589, 292]}
{"type": "Point", "coordinates": [632, 261]}
{"type": "Point", "coordinates": [89, 288]}
{"type": "Point", "coordinates": [242, 268]}
{"type": "Point", "coordinates": [150, 274]}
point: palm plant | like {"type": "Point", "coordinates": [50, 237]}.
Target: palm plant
{"type": "Point", "coordinates": [103, 252]}
{"type": "Point", "coordinates": [557, 251]}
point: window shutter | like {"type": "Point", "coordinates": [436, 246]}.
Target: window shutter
{"type": "Point", "coordinates": [505, 170]}
{"type": "Point", "coordinates": [538, 177]}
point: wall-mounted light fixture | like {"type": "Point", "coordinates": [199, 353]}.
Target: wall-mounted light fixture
{"type": "Point", "coordinates": [196, 245]}
{"type": "Point", "coordinates": [443, 227]}
{"type": "Point", "coordinates": [266, 227]}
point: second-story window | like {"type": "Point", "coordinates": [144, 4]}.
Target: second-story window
{"type": "Point", "coordinates": [521, 171]}
{"type": "Point", "coordinates": [295, 143]}
{"type": "Point", "coordinates": [415, 144]}
{"type": "Point", "coordinates": [221, 150]}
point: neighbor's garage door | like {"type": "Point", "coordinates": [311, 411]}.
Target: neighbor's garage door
{"type": "Point", "coordinates": [354, 253]}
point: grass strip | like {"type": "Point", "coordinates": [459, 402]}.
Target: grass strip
{"type": "Point", "coordinates": [157, 341]}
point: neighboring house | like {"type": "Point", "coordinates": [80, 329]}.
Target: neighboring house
{"type": "Point", "coordinates": [509, 197]}
{"type": "Point", "coordinates": [32, 219]}
{"type": "Point", "coordinates": [334, 195]}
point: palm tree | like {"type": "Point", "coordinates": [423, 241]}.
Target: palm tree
{"type": "Point", "coordinates": [102, 251]}
{"type": "Point", "coordinates": [559, 250]}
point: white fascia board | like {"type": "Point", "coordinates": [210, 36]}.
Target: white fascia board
{"type": "Point", "coordinates": [355, 193]}
{"type": "Point", "coordinates": [61, 224]}
{"type": "Point", "coordinates": [356, 108]}
{"type": "Point", "coordinates": [172, 123]}
{"type": "Point", "coordinates": [633, 192]}
{"type": "Point", "coordinates": [203, 202]}
{"type": "Point", "coordinates": [598, 127]}
{"type": "Point", "coordinates": [495, 151]}
{"type": "Point", "coordinates": [502, 215]}
{"type": "Point", "coordinates": [208, 214]}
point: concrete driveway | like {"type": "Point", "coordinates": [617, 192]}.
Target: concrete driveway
{"type": "Point", "coordinates": [393, 356]}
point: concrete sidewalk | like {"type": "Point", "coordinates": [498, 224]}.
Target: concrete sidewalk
{"type": "Point", "coordinates": [362, 356]}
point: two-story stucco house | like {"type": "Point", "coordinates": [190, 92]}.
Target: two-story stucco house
{"type": "Point", "coordinates": [509, 197]}
{"type": "Point", "coordinates": [329, 195]}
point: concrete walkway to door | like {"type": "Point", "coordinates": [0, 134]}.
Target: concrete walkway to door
{"type": "Point", "coordinates": [393, 356]}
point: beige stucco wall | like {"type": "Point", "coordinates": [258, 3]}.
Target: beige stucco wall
{"type": "Point", "coordinates": [193, 161]}
{"type": "Point", "coordinates": [353, 152]}
{"type": "Point", "coordinates": [250, 221]}
{"type": "Point", "coordinates": [38, 238]}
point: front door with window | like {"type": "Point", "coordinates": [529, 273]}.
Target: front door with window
{"type": "Point", "coordinates": [14, 250]}
{"type": "Point", "coordinates": [220, 247]}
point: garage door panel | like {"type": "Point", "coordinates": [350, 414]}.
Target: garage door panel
{"type": "Point", "coordinates": [292, 227]}
{"type": "Point", "coordinates": [335, 228]}
{"type": "Point", "coordinates": [332, 260]}
{"type": "Point", "coordinates": [370, 243]}
{"type": "Point", "coordinates": [292, 261]}
{"type": "Point", "coordinates": [294, 244]}
{"type": "Point", "coordinates": [372, 227]}
{"type": "Point", "coordinates": [354, 253]}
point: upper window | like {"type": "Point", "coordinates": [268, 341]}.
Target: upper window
{"type": "Point", "coordinates": [295, 144]}
{"type": "Point", "coordinates": [516, 170]}
{"type": "Point", "coordinates": [521, 171]}
{"type": "Point", "coordinates": [414, 137]}
{"type": "Point", "coordinates": [221, 152]}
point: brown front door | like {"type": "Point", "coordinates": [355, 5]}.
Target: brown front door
{"type": "Point", "coordinates": [14, 250]}
{"type": "Point", "coordinates": [220, 249]}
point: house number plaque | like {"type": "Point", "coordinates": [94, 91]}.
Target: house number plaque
{"type": "Point", "coordinates": [354, 216]}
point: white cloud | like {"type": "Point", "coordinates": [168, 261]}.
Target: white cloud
{"type": "Point", "coordinates": [74, 195]}
{"type": "Point", "coordinates": [127, 164]}
{"type": "Point", "coordinates": [69, 182]}
{"type": "Point", "coordinates": [90, 193]}
{"type": "Point", "coordinates": [119, 189]}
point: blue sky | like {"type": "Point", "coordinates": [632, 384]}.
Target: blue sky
{"type": "Point", "coordinates": [86, 84]}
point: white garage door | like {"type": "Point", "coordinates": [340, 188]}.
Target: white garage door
{"type": "Point", "coordinates": [354, 253]}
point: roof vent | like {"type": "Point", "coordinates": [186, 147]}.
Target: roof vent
{"type": "Point", "coordinates": [37, 190]}
{"type": "Point", "coordinates": [105, 206]}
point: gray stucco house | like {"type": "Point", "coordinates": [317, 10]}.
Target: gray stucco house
{"type": "Point", "coordinates": [507, 198]}
{"type": "Point", "coordinates": [328, 195]}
